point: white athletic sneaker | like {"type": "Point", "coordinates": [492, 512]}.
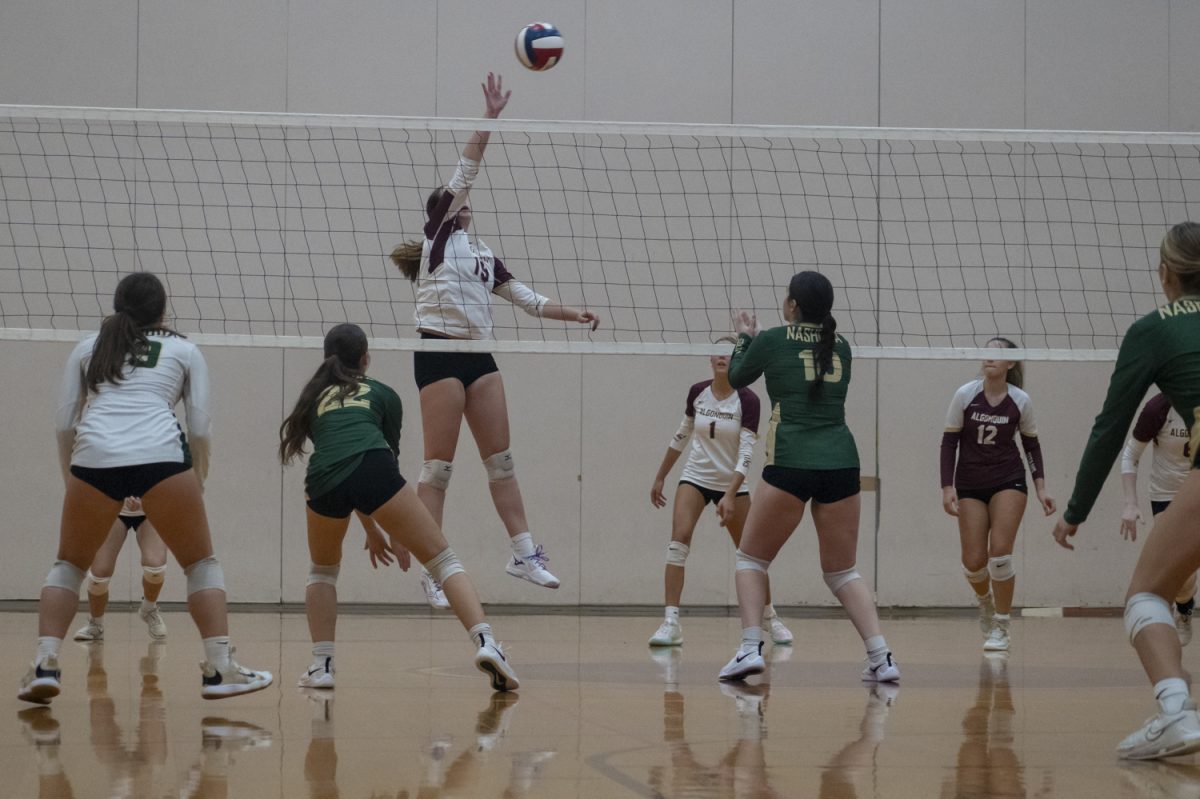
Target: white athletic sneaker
{"type": "Point", "coordinates": [41, 683]}
{"type": "Point", "coordinates": [669, 634]}
{"type": "Point", "coordinates": [886, 670]}
{"type": "Point", "coordinates": [433, 592]}
{"type": "Point", "coordinates": [490, 660]}
{"type": "Point", "coordinates": [154, 623]}
{"type": "Point", "coordinates": [987, 609]}
{"type": "Point", "coordinates": [743, 665]}
{"type": "Point", "coordinates": [233, 681]}
{"type": "Point", "coordinates": [779, 633]}
{"type": "Point", "coordinates": [1183, 626]}
{"type": "Point", "coordinates": [92, 631]}
{"type": "Point", "coordinates": [997, 640]}
{"type": "Point", "coordinates": [533, 569]}
{"type": "Point", "coordinates": [318, 675]}
{"type": "Point", "coordinates": [1164, 736]}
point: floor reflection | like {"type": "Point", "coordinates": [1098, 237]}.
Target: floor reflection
{"type": "Point", "coordinates": [987, 766]}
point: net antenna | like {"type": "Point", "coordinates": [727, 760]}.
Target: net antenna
{"type": "Point", "coordinates": [270, 228]}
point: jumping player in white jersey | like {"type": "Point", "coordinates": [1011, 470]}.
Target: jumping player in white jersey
{"type": "Point", "coordinates": [455, 278]}
{"type": "Point", "coordinates": [718, 462]}
{"type": "Point", "coordinates": [118, 437]}
{"type": "Point", "coordinates": [132, 519]}
{"type": "Point", "coordinates": [1162, 424]}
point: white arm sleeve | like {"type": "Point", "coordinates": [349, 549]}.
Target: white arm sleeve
{"type": "Point", "coordinates": [958, 404]}
{"type": "Point", "coordinates": [746, 441]}
{"type": "Point", "coordinates": [522, 296]}
{"type": "Point", "coordinates": [1131, 455]}
{"type": "Point", "coordinates": [460, 185]}
{"type": "Point", "coordinates": [195, 403]}
{"type": "Point", "coordinates": [680, 439]}
{"type": "Point", "coordinates": [72, 394]}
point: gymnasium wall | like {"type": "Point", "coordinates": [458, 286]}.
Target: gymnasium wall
{"type": "Point", "coordinates": [589, 431]}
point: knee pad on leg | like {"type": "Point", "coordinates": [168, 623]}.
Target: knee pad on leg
{"type": "Point", "coordinates": [978, 576]}
{"type": "Point", "coordinates": [204, 575]}
{"type": "Point", "coordinates": [500, 466]}
{"type": "Point", "coordinates": [748, 563]}
{"type": "Point", "coordinates": [65, 575]}
{"type": "Point", "coordinates": [1142, 610]}
{"type": "Point", "coordinates": [839, 580]}
{"type": "Point", "coordinates": [323, 574]}
{"type": "Point", "coordinates": [444, 565]}
{"type": "Point", "coordinates": [154, 574]}
{"type": "Point", "coordinates": [1001, 568]}
{"type": "Point", "coordinates": [436, 473]}
{"type": "Point", "coordinates": [97, 586]}
{"type": "Point", "coordinates": [677, 554]}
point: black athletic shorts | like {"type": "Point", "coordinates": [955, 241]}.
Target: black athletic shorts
{"type": "Point", "coordinates": [711, 494]}
{"type": "Point", "coordinates": [374, 482]}
{"type": "Point", "coordinates": [465, 367]}
{"type": "Point", "coordinates": [820, 485]}
{"type": "Point", "coordinates": [985, 495]}
{"type": "Point", "coordinates": [128, 481]}
{"type": "Point", "coordinates": [1158, 506]}
{"type": "Point", "coordinates": [131, 522]}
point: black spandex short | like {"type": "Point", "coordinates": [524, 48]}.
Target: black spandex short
{"type": "Point", "coordinates": [374, 482]}
{"type": "Point", "coordinates": [985, 495]}
{"type": "Point", "coordinates": [1158, 506]}
{"type": "Point", "coordinates": [820, 485]}
{"type": "Point", "coordinates": [711, 494]}
{"type": "Point", "coordinates": [465, 367]}
{"type": "Point", "coordinates": [128, 481]}
{"type": "Point", "coordinates": [132, 522]}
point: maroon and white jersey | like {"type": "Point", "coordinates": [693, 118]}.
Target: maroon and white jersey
{"type": "Point", "coordinates": [1162, 424]}
{"type": "Point", "coordinates": [725, 433]}
{"type": "Point", "coordinates": [983, 437]}
{"type": "Point", "coordinates": [459, 275]}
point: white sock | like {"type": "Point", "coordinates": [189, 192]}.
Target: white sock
{"type": "Point", "coordinates": [1003, 618]}
{"type": "Point", "coordinates": [751, 639]}
{"type": "Point", "coordinates": [522, 545]}
{"type": "Point", "coordinates": [147, 605]}
{"type": "Point", "coordinates": [769, 612]}
{"type": "Point", "coordinates": [672, 613]}
{"type": "Point", "coordinates": [216, 651]}
{"type": "Point", "coordinates": [481, 633]}
{"type": "Point", "coordinates": [48, 647]}
{"type": "Point", "coordinates": [322, 649]}
{"type": "Point", "coordinates": [877, 649]}
{"type": "Point", "coordinates": [1171, 694]}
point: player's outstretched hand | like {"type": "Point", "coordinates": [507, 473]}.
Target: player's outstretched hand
{"type": "Point", "coordinates": [657, 498]}
{"type": "Point", "coordinates": [494, 96]}
{"type": "Point", "coordinates": [1130, 519]}
{"type": "Point", "coordinates": [950, 500]}
{"type": "Point", "coordinates": [403, 557]}
{"type": "Point", "coordinates": [745, 322]}
{"type": "Point", "coordinates": [588, 318]}
{"type": "Point", "coordinates": [1063, 532]}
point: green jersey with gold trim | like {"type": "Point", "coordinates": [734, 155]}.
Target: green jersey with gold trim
{"type": "Point", "coordinates": [808, 427]}
{"type": "Point", "coordinates": [344, 428]}
{"type": "Point", "coordinates": [1162, 348]}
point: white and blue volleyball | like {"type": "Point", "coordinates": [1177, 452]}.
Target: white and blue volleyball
{"type": "Point", "coordinates": [539, 46]}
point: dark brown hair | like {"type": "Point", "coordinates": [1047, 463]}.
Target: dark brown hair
{"type": "Point", "coordinates": [139, 303]}
{"type": "Point", "coordinates": [407, 255]}
{"type": "Point", "coordinates": [1016, 375]}
{"type": "Point", "coordinates": [813, 294]}
{"type": "Point", "coordinates": [345, 346]}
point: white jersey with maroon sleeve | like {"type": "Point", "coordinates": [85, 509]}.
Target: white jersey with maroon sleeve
{"type": "Point", "coordinates": [723, 433]}
{"type": "Point", "coordinates": [133, 422]}
{"type": "Point", "coordinates": [1161, 424]}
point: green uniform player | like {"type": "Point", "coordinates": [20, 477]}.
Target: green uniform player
{"type": "Point", "coordinates": [808, 427]}
{"type": "Point", "coordinates": [344, 428]}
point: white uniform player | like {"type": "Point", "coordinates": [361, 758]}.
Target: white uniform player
{"type": "Point", "coordinates": [1160, 424]}
{"type": "Point", "coordinates": [723, 435]}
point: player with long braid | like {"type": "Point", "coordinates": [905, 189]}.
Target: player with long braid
{"type": "Point", "coordinates": [456, 277]}
{"type": "Point", "coordinates": [1162, 348]}
{"type": "Point", "coordinates": [983, 483]}
{"type": "Point", "coordinates": [811, 458]}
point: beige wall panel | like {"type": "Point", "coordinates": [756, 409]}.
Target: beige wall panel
{"type": "Point", "coordinates": [1183, 87]}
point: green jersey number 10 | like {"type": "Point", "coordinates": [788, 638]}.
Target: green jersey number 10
{"type": "Point", "coordinates": [808, 358]}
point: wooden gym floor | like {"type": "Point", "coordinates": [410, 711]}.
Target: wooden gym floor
{"type": "Point", "coordinates": [598, 715]}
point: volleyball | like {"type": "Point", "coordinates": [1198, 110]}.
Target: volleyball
{"type": "Point", "coordinates": [539, 46]}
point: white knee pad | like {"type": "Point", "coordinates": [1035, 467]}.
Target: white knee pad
{"type": "Point", "coordinates": [65, 575]}
{"type": "Point", "coordinates": [1001, 568]}
{"type": "Point", "coordinates": [97, 586]}
{"type": "Point", "coordinates": [323, 574]}
{"type": "Point", "coordinates": [437, 473]}
{"type": "Point", "coordinates": [204, 575]}
{"type": "Point", "coordinates": [677, 554]}
{"type": "Point", "coordinates": [839, 580]}
{"type": "Point", "coordinates": [500, 466]}
{"type": "Point", "coordinates": [978, 576]}
{"type": "Point", "coordinates": [154, 574]}
{"type": "Point", "coordinates": [444, 565]}
{"type": "Point", "coordinates": [748, 563]}
{"type": "Point", "coordinates": [1142, 610]}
